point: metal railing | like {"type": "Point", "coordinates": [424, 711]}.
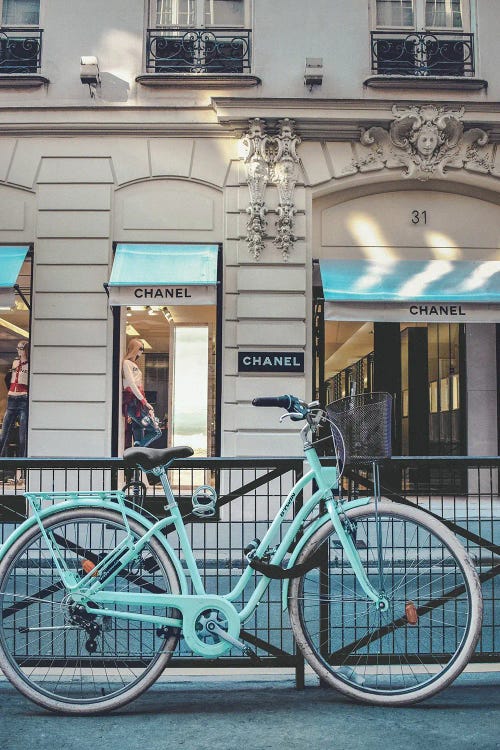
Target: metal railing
{"type": "Point", "coordinates": [422, 53]}
{"type": "Point", "coordinates": [463, 492]}
{"type": "Point", "coordinates": [215, 50]}
{"type": "Point", "coordinates": [20, 50]}
{"type": "Point", "coordinates": [250, 492]}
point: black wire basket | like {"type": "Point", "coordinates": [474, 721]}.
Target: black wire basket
{"type": "Point", "coordinates": [365, 425]}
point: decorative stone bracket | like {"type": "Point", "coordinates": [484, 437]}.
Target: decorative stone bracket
{"type": "Point", "coordinates": [426, 141]}
{"type": "Point", "coordinates": [256, 159]}
{"type": "Point", "coordinates": [270, 159]}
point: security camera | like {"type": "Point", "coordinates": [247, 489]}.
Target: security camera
{"type": "Point", "coordinates": [313, 74]}
{"type": "Point", "coordinates": [89, 71]}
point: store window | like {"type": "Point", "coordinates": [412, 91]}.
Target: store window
{"type": "Point", "coordinates": [165, 297]}
{"type": "Point", "coordinates": [15, 293]}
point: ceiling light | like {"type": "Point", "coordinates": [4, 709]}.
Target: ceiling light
{"type": "Point", "coordinates": [130, 330]}
{"type": "Point", "coordinates": [167, 314]}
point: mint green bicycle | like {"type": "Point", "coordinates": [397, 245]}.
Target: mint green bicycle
{"type": "Point", "coordinates": [384, 603]}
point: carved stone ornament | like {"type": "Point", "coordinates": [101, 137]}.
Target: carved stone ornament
{"type": "Point", "coordinates": [270, 159]}
{"type": "Point", "coordinates": [284, 175]}
{"type": "Point", "coordinates": [425, 140]}
{"type": "Point", "coordinates": [256, 159]}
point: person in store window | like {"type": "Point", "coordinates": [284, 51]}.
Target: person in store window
{"type": "Point", "coordinates": [17, 404]}
{"type": "Point", "coordinates": [141, 425]}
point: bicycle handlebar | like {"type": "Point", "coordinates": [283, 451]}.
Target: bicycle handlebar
{"type": "Point", "coordinates": [295, 407]}
{"type": "Point", "coordinates": [284, 402]}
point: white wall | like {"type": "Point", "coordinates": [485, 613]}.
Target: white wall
{"type": "Point", "coordinates": [283, 33]}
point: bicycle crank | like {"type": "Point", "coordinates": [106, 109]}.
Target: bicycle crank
{"type": "Point", "coordinates": [214, 630]}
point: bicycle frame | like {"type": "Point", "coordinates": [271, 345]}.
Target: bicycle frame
{"type": "Point", "coordinates": [191, 606]}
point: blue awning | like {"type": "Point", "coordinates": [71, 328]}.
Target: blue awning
{"type": "Point", "coordinates": [162, 274]}
{"type": "Point", "coordinates": [12, 258]}
{"type": "Point", "coordinates": [386, 289]}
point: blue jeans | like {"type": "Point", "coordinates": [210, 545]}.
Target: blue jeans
{"type": "Point", "coordinates": [17, 408]}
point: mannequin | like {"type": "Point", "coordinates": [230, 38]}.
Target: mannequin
{"type": "Point", "coordinates": [141, 426]}
{"type": "Point", "coordinates": [17, 403]}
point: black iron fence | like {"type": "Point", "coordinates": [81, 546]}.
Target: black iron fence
{"type": "Point", "coordinates": [20, 50]}
{"type": "Point", "coordinates": [250, 493]}
{"type": "Point", "coordinates": [463, 492]}
{"type": "Point", "coordinates": [422, 53]}
{"type": "Point", "coordinates": [214, 50]}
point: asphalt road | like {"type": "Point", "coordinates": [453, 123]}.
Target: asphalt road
{"type": "Point", "coordinates": [225, 713]}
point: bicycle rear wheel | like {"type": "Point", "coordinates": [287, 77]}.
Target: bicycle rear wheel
{"type": "Point", "coordinates": [427, 635]}
{"type": "Point", "coordinates": [56, 653]}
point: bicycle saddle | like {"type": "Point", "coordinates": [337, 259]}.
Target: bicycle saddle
{"type": "Point", "coordinates": [148, 458]}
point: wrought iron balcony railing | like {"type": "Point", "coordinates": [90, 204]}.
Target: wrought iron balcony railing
{"type": "Point", "coordinates": [217, 51]}
{"type": "Point", "coordinates": [423, 53]}
{"type": "Point", "coordinates": [20, 50]}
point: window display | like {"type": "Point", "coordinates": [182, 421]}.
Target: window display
{"type": "Point", "coordinates": [14, 351]}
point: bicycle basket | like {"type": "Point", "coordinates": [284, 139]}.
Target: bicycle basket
{"type": "Point", "coordinates": [365, 423]}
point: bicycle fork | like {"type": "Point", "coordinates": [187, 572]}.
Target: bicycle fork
{"type": "Point", "coordinates": [343, 533]}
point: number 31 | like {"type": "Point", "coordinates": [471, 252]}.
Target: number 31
{"type": "Point", "coordinates": [419, 217]}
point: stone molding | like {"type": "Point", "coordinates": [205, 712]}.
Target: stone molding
{"type": "Point", "coordinates": [284, 175]}
{"type": "Point", "coordinates": [426, 141]}
{"type": "Point", "coordinates": [270, 159]}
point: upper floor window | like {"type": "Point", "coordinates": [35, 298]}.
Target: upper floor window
{"type": "Point", "coordinates": [20, 12]}
{"type": "Point", "coordinates": [422, 38]}
{"type": "Point", "coordinates": [20, 37]}
{"type": "Point", "coordinates": [420, 14]}
{"type": "Point", "coordinates": [198, 36]}
{"type": "Point", "coordinates": [198, 13]}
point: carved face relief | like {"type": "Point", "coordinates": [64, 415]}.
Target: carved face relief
{"type": "Point", "coordinates": [427, 140]}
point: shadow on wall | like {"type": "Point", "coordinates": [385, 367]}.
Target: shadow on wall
{"type": "Point", "coordinates": [113, 89]}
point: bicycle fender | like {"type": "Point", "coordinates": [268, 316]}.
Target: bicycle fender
{"type": "Point", "coordinates": [72, 505]}
{"type": "Point", "coordinates": [309, 530]}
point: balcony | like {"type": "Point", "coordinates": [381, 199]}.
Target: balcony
{"type": "Point", "coordinates": [198, 56]}
{"type": "Point", "coordinates": [425, 56]}
{"type": "Point", "coordinates": [20, 57]}
{"type": "Point", "coordinates": [20, 50]}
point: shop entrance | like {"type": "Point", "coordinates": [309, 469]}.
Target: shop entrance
{"type": "Point", "coordinates": [422, 365]}
{"type": "Point", "coordinates": [15, 297]}
{"type": "Point", "coordinates": [167, 303]}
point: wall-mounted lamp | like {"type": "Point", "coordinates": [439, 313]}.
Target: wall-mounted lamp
{"type": "Point", "coordinates": [89, 73]}
{"type": "Point", "coordinates": [313, 74]}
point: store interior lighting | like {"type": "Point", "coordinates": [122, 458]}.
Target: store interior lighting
{"type": "Point", "coordinates": [15, 329]}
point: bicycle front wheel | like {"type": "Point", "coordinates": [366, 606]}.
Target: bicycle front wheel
{"type": "Point", "coordinates": [427, 635]}
{"type": "Point", "coordinates": [56, 653]}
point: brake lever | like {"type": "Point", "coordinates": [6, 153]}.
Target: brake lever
{"type": "Point", "coordinates": [294, 415]}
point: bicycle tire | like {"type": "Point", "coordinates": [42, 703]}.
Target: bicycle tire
{"type": "Point", "coordinates": [55, 668]}
{"type": "Point", "coordinates": [381, 658]}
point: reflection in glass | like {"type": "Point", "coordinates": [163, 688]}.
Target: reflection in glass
{"type": "Point", "coordinates": [190, 391]}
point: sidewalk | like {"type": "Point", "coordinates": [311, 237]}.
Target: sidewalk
{"type": "Point", "coordinates": [261, 713]}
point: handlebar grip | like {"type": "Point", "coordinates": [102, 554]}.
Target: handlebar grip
{"type": "Point", "coordinates": [284, 402]}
